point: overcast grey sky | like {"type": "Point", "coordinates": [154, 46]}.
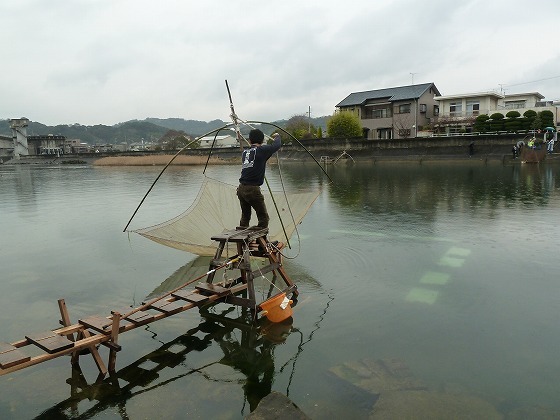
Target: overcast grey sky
{"type": "Point", "coordinates": [109, 61]}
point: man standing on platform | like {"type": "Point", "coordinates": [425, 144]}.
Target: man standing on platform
{"type": "Point", "coordinates": [252, 177]}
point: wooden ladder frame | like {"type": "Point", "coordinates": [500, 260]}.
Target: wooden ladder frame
{"type": "Point", "coordinates": [91, 332]}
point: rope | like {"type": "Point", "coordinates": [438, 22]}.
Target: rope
{"type": "Point", "coordinates": [291, 213]}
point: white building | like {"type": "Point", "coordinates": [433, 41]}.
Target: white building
{"type": "Point", "coordinates": [458, 112]}
{"type": "Point", "coordinates": [221, 141]}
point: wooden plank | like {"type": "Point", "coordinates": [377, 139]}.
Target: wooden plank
{"type": "Point", "coordinates": [97, 322]}
{"type": "Point", "coordinates": [228, 235]}
{"type": "Point", "coordinates": [167, 307]}
{"type": "Point", "coordinates": [190, 296]}
{"type": "Point", "coordinates": [139, 317]}
{"type": "Point", "coordinates": [52, 343]}
{"type": "Point", "coordinates": [240, 236]}
{"type": "Point", "coordinates": [87, 342]}
{"type": "Point", "coordinates": [101, 324]}
{"type": "Point", "coordinates": [40, 335]}
{"type": "Point", "coordinates": [6, 347]}
{"type": "Point", "coordinates": [212, 288]}
{"type": "Point", "coordinates": [11, 356]}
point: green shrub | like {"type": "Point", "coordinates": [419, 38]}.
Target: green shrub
{"type": "Point", "coordinates": [530, 114]}
{"type": "Point", "coordinates": [480, 123]}
{"type": "Point", "coordinates": [547, 118]}
{"type": "Point", "coordinates": [344, 125]}
{"type": "Point", "coordinates": [497, 116]}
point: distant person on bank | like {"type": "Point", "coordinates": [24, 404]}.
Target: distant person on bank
{"type": "Point", "coordinates": [550, 146]}
{"type": "Point", "coordinates": [252, 177]}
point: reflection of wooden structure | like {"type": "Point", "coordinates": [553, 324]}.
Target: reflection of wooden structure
{"type": "Point", "coordinates": [249, 352]}
{"type": "Point", "coordinates": [97, 330]}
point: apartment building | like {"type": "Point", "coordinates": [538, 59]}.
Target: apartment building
{"type": "Point", "coordinates": [458, 112]}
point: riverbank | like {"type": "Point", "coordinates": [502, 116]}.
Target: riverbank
{"type": "Point", "coordinates": [476, 149]}
{"type": "Point", "coordinates": [349, 157]}
{"type": "Point", "coordinates": [158, 160]}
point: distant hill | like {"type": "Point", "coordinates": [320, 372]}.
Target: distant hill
{"type": "Point", "coordinates": [129, 132]}
{"type": "Point", "coordinates": [149, 130]}
{"type": "Point", "coordinates": [192, 127]}
{"type": "Point", "coordinates": [198, 128]}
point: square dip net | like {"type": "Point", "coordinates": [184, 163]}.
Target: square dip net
{"type": "Point", "coordinates": [216, 208]}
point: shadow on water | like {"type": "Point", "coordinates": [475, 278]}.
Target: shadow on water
{"type": "Point", "coordinates": [246, 346]}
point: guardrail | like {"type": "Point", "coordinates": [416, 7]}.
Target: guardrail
{"type": "Point", "coordinates": [487, 133]}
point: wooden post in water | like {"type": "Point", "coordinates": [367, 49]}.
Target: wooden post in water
{"type": "Point", "coordinates": [114, 340]}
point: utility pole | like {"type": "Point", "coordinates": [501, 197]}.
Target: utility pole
{"type": "Point", "coordinates": [412, 75]}
{"type": "Point", "coordinates": [309, 114]}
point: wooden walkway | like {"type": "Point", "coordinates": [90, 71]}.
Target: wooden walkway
{"type": "Point", "coordinates": [89, 333]}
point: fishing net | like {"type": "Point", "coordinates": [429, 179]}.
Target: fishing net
{"type": "Point", "coordinates": [216, 208]}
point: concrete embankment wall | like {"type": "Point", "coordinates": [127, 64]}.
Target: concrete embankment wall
{"type": "Point", "coordinates": [437, 148]}
{"type": "Point", "coordinates": [431, 148]}
{"type": "Point", "coordinates": [485, 148]}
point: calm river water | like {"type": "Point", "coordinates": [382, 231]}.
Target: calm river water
{"type": "Point", "coordinates": [430, 287]}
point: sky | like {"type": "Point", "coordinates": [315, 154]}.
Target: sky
{"type": "Point", "coordinates": [109, 61]}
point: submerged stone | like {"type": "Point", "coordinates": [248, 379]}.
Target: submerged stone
{"type": "Point", "coordinates": [432, 405]}
{"type": "Point", "coordinates": [533, 413]}
{"type": "Point", "coordinates": [378, 376]}
{"type": "Point", "coordinates": [277, 406]}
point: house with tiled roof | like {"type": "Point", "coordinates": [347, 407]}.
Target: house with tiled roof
{"type": "Point", "coordinates": [396, 112]}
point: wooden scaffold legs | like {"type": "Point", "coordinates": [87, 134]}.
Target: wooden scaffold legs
{"type": "Point", "coordinates": [92, 331]}
{"type": "Point", "coordinates": [81, 335]}
{"type": "Point", "coordinates": [250, 242]}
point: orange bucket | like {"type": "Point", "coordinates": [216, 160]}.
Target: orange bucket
{"type": "Point", "coordinates": [277, 308]}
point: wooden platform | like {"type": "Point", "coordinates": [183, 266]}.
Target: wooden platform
{"type": "Point", "coordinates": [90, 332]}
{"type": "Point", "coordinates": [11, 356]}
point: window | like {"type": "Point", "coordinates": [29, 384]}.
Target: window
{"type": "Point", "coordinates": [382, 113]}
{"type": "Point", "coordinates": [371, 113]}
{"type": "Point", "coordinates": [514, 104]}
{"type": "Point", "coordinates": [455, 109]}
{"type": "Point", "coordinates": [404, 109]}
{"type": "Point", "coordinates": [384, 133]}
{"type": "Point", "coordinates": [436, 110]}
{"type": "Point", "coordinates": [473, 107]}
